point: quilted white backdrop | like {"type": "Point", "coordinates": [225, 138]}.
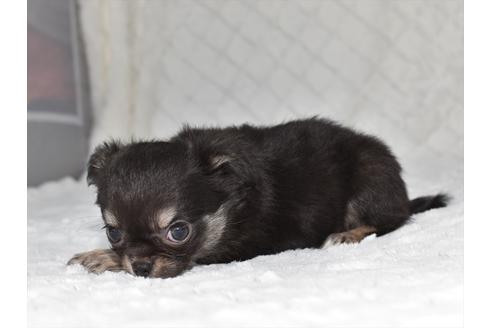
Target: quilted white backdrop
{"type": "Point", "coordinates": [394, 68]}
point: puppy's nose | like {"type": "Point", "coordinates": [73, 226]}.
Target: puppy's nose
{"type": "Point", "coordinates": [141, 268]}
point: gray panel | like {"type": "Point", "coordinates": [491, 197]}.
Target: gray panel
{"type": "Point", "coordinates": [58, 93]}
{"type": "Point", "coordinates": [54, 151]}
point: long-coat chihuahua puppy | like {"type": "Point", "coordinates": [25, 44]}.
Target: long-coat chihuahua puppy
{"type": "Point", "coordinates": [221, 195]}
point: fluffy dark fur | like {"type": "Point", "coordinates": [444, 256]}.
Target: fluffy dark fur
{"type": "Point", "coordinates": [244, 191]}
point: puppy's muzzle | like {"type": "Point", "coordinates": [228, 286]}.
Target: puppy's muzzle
{"type": "Point", "coordinates": [142, 268]}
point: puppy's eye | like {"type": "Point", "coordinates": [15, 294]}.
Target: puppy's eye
{"type": "Point", "coordinates": [114, 234]}
{"type": "Point", "coordinates": [178, 232]}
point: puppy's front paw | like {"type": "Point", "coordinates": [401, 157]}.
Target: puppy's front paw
{"type": "Point", "coordinates": [98, 260]}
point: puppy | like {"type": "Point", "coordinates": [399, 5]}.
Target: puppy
{"type": "Point", "coordinates": [221, 195]}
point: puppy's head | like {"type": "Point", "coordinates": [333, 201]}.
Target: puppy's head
{"type": "Point", "coordinates": [164, 204]}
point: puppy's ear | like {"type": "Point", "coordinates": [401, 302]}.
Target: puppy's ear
{"type": "Point", "coordinates": [216, 162]}
{"type": "Point", "coordinates": [100, 158]}
{"type": "Point", "coordinates": [212, 153]}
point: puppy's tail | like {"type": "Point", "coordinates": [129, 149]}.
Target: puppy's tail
{"type": "Point", "coordinates": [422, 204]}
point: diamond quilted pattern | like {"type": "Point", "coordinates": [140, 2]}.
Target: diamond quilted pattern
{"type": "Point", "coordinates": [394, 68]}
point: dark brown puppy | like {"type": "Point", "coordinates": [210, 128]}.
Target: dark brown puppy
{"type": "Point", "coordinates": [220, 195]}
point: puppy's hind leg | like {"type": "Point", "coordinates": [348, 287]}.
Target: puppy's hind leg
{"type": "Point", "coordinates": [349, 237]}
{"type": "Point", "coordinates": [362, 221]}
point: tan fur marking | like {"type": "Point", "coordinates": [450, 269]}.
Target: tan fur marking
{"type": "Point", "coordinates": [164, 267]}
{"type": "Point", "coordinates": [98, 260]}
{"type": "Point", "coordinates": [126, 264]}
{"type": "Point", "coordinates": [215, 226]}
{"type": "Point", "coordinates": [110, 219]}
{"type": "Point", "coordinates": [165, 216]}
{"type": "Point", "coordinates": [350, 236]}
{"type": "Point", "coordinates": [217, 161]}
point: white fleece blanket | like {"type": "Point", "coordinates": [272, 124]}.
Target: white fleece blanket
{"type": "Point", "coordinates": [411, 277]}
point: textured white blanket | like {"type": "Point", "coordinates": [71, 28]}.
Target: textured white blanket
{"type": "Point", "coordinates": [412, 277]}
